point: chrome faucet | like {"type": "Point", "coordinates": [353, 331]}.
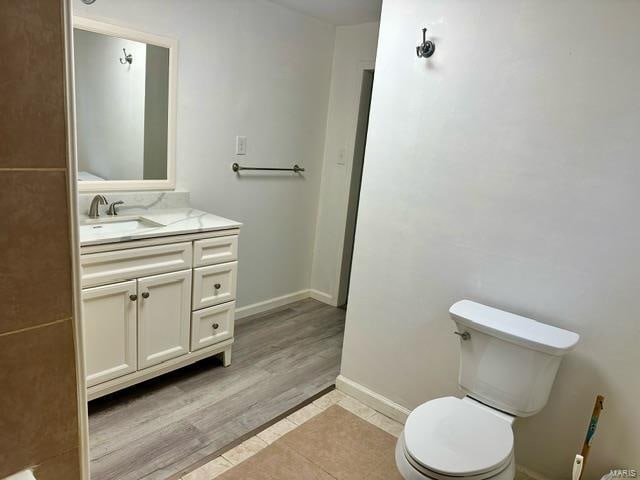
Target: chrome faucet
{"type": "Point", "coordinates": [113, 210]}
{"type": "Point", "coordinates": [93, 209]}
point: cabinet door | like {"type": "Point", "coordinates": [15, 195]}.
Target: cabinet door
{"type": "Point", "coordinates": [164, 308]}
{"type": "Point", "coordinates": [109, 319]}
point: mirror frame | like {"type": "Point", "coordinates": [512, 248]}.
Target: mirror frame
{"type": "Point", "coordinates": [95, 26]}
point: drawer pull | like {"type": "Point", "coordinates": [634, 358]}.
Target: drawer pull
{"type": "Point", "coordinates": [145, 295]}
{"type": "Point", "coordinates": [215, 326]}
{"type": "Point", "coordinates": [133, 298]}
{"type": "Point", "coordinates": [217, 286]}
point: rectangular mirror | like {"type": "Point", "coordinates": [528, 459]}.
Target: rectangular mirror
{"type": "Point", "coordinates": [125, 94]}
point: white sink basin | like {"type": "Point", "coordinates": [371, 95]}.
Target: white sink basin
{"type": "Point", "coordinates": [117, 225]}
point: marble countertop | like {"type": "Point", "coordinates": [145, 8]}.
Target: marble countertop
{"type": "Point", "coordinates": [136, 224]}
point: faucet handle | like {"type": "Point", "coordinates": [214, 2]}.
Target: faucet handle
{"type": "Point", "coordinates": [113, 207]}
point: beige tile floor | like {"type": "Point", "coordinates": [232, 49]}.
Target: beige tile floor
{"type": "Point", "coordinates": [256, 443]}
{"type": "Point", "coordinates": [264, 438]}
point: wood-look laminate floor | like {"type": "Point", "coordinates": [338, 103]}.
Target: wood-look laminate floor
{"type": "Point", "coordinates": [162, 427]}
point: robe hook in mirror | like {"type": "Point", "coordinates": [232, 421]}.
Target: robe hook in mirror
{"type": "Point", "coordinates": [128, 58]}
{"type": "Point", "coordinates": [427, 47]}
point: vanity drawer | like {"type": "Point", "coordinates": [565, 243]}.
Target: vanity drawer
{"type": "Point", "coordinates": [120, 265]}
{"type": "Point", "coordinates": [212, 251]}
{"type": "Point", "coordinates": [212, 325]}
{"type": "Point", "coordinates": [214, 285]}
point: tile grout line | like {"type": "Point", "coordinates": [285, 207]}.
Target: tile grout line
{"type": "Point", "coordinates": [56, 456]}
{"type": "Point", "coordinates": [42, 325]}
{"type": "Point", "coordinates": [33, 169]}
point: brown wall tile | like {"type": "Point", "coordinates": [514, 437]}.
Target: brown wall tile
{"type": "Point", "coordinates": [38, 405]}
{"type": "Point", "coordinates": [35, 259]}
{"type": "Point", "coordinates": [63, 467]}
{"type": "Point", "coordinates": [32, 124]}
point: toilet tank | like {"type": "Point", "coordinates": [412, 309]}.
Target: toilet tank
{"type": "Point", "coordinates": [507, 361]}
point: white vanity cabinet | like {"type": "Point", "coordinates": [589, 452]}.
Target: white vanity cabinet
{"type": "Point", "coordinates": [154, 305]}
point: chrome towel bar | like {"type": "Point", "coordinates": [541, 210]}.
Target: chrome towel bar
{"type": "Point", "coordinates": [296, 168]}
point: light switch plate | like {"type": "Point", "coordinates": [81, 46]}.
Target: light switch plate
{"type": "Point", "coordinates": [241, 145]}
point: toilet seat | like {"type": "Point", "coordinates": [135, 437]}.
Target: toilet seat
{"type": "Point", "coordinates": [448, 437]}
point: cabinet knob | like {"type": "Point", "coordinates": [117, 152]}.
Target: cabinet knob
{"type": "Point", "coordinates": [145, 295]}
{"type": "Point", "coordinates": [217, 286]}
{"type": "Point", "coordinates": [215, 326]}
{"type": "Point", "coordinates": [133, 298]}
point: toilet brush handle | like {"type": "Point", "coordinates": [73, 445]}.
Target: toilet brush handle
{"type": "Point", "coordinates": [591, 431]}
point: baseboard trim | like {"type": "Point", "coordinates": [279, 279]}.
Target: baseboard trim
{"type": "Point", "coordinates": [323, 297]}
{"type": "Point", "coordinates": [276, 302]}
{"type": "Point", "coordinates": [372, 399]}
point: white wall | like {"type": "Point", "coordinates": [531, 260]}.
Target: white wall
{"type": "Point", "coordinates": [247, 67]}
{"type": "Point", "coordinates": [156, 113]}
{"type": "Point", "coordinates": [110, 103]}
{"type": "Point", "coordinates": [355, 51]}
{"type": "Point", "coordinates": [505, 170]}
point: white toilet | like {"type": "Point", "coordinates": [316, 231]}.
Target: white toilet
{"type": "Point", "coordinates": [508, 364]}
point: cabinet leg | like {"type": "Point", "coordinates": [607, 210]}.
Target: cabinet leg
{"type": "Point", "coordinates": [226, 357]}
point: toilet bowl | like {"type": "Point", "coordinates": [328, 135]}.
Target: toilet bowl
{"type": "Point", "coordinates": [450, 438]}
{"type": "Point", "coordinates": [410, 471]}
{"type": "Point", "coordinates": [508, 364]}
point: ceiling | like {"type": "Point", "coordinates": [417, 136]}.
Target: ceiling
{"type": "Point", "coordinates": [337, 12]}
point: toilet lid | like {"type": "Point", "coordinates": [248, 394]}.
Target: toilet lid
{"type": "Point", "coordinates": [456, 438]}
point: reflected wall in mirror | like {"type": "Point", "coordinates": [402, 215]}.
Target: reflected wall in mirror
{"type": "Point", "coordinates": [124, 93]}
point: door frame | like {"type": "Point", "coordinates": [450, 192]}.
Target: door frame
{"type": "Point", "coordinates": [353, 198]}
{"type": "Point", "coordinates": [74, 238]}
{"type": "Point", "coordinates": [337, 289]}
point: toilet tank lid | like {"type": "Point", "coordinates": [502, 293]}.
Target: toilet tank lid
{"type": "Point", "coordinates": [514, 328]}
